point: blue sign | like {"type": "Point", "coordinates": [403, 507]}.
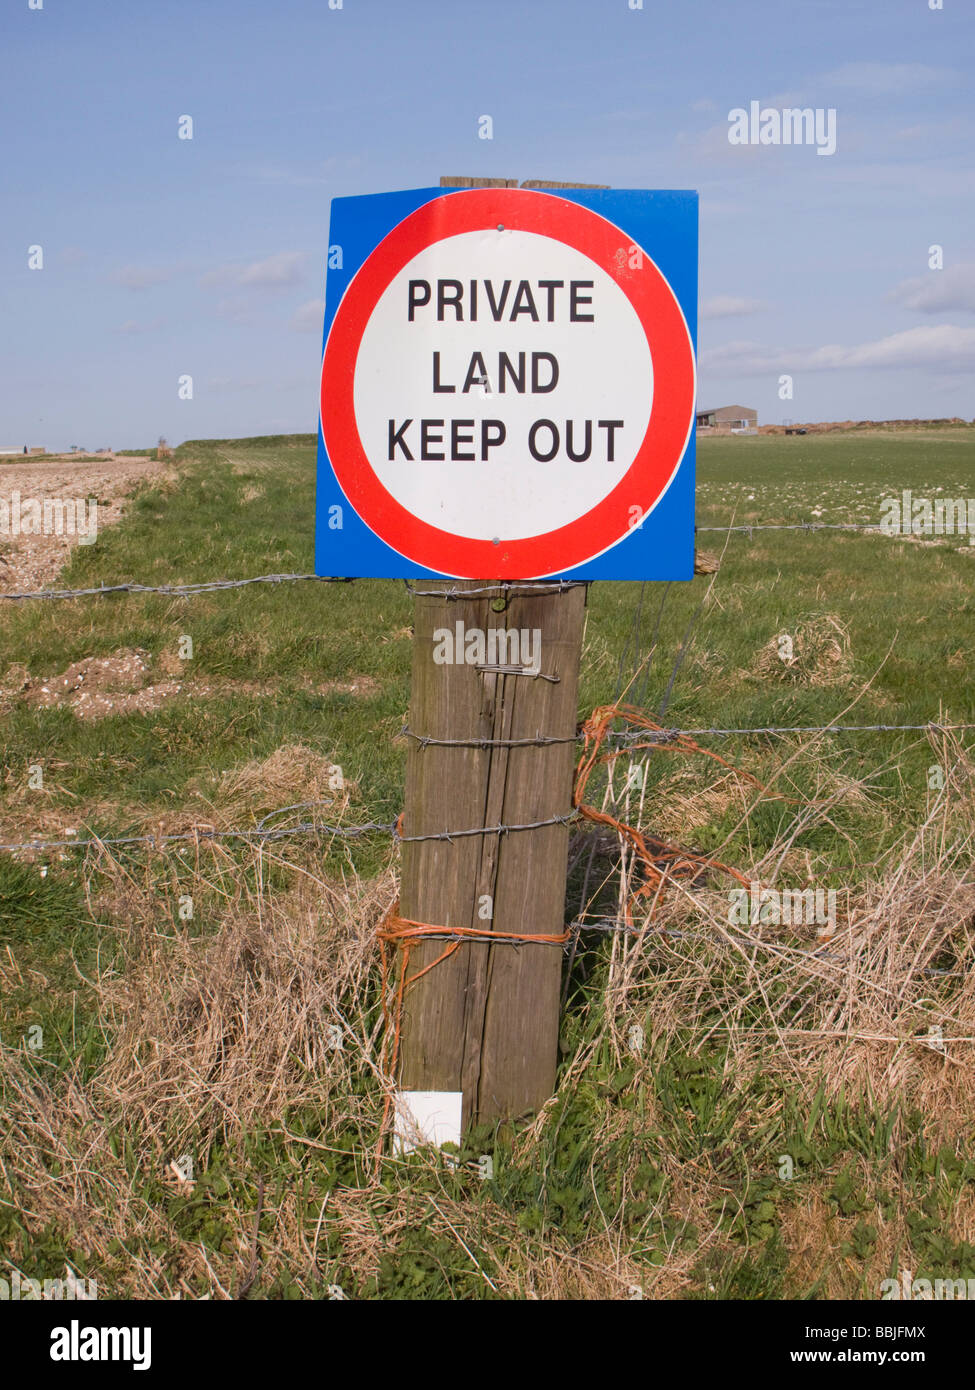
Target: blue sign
{"type": "Point", "coordinates": [508, 385]}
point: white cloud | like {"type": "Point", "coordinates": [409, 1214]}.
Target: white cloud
{"type": "Point", "coordinates": [712, 143]}
{"type": "Point", "coordinates": [888, 78]}
{"type": "Point", "coordinates": [740, 356]}
{"type": "Point", "coordinates": [231, 384]}
{"type": "Point", "coordinates": [236, 309]}
{"type": "Point", "coordinates": [279, 271]}
{"type": "Point", "coordinates": [141, 277]}
{"type": "Point", "coordinates": [726, 306]}
{"type": "Point", "coordinates": [308, 317]}
{"type": "Point", "coordinates": [945, 345]}
{"type": "Point", "coordinates": [135, 326]}
{"type": "Point", "coordinates": [939, 291]}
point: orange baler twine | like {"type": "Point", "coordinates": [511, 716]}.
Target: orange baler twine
{"type": "Point", "coordinates": [648, 849]}
{"type": "Point", "coordinates": [405, 934]}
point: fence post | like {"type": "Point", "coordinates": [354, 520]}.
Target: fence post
{"type": "Point", "coordinates": [485, 1021]}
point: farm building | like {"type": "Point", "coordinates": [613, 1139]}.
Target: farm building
{"type": "Point", "coordinates": [728, 417]}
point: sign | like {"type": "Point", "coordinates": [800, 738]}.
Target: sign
{"type": "Point", "coordinates": [508, 385]}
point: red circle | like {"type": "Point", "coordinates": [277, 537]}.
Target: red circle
{"type": "Point", "coordinates": [671, 414]}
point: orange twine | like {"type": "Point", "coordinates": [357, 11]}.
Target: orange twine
{"type": "Point", "coordinates": [405, 934]}
{"type": "Point", "coordinates": [649, 850]}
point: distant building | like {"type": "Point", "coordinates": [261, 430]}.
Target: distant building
{"type": "Point", "coordinates": [37, 450]}
{"type": "Point", "coordinates": [727, 418]}
{"type": "Point", "coordinates": [5, 453]}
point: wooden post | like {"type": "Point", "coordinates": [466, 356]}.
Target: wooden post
{"type": "Point", "coordinates": [485, 1021]}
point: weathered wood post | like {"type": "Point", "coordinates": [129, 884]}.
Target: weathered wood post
{"type": "Point", "coordinates": [485, 1021]}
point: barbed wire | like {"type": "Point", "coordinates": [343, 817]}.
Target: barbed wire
{"type": "Point", "coordinates": [261, 832]}
{"type": "Point", "coordinates": [722, 937]}
{"type": "Point", "coordinates": [175, 590]}
{"type": "Point", "coordinates": [530, 588]}
{"type": "Point", "coordinates": [874, 527]}
{"type": "Point", "coordinates": [667, 735]}
{"type": "Point", "coordinates": [502, 588]}
{"type": "Point", "coordinates": [539, 741]}
{"type": "Point", "coordinates": [452, 835]}
{"type": "Point", "coordinates": [746, 529]}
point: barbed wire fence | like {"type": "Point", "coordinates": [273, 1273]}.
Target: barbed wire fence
{"type": "Point", "coordinates": [262, 832]}
{"type": "Point", "coordinates": [556, 586]}
{"type": "Point", "coordinates": [633, 683]}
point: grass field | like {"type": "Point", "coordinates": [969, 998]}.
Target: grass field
{"type": "Point", "coordinates": [789, 1127]}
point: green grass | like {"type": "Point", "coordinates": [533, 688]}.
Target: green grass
{"type": "Point", "coordinates": [908, 609]}
{"type": "Point", "coordinates": [245, 507]}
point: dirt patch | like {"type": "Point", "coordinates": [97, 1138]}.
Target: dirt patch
{"type": "Point", "coordinates": [30, 562]}
{"type": "Point", "coordinates": [295, 782]}
{"type": "Point", "coordinates": [93, 688]}
{"type": "Point", "coordinates": [98, 686]}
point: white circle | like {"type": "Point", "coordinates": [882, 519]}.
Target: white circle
{"type": "Point", "coordinates": [605, 372]}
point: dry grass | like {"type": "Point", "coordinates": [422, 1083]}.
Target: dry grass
{"type": "Point", "coordinates": [856, 1009]}
{"type": "Point", "coordinates": [211, 1035]}
{"type": "Point", "coordinates": [213, 1038]}
{"type": "Point", "coordinates": [210, 1038]}
{"type": "Point", "coordinates": [293, 773]}
{"type": "Point", "coordinates": [818, 652]}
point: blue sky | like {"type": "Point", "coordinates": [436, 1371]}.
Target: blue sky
{"type": "Point", "coordinates": [207, 256]}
